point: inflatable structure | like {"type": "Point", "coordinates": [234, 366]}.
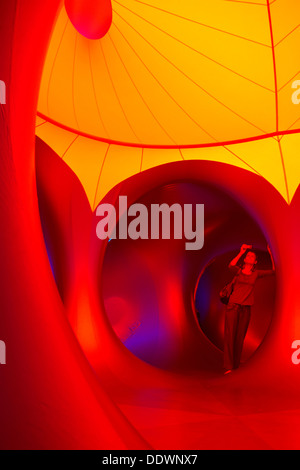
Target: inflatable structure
{"type": "Point", "coordinates": [118, 344]}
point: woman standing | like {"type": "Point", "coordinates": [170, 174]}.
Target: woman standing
{"type": "Point", "coordinates": [238, 310]}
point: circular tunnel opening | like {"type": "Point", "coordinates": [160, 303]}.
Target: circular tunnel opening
{"type": "Point", "coordinates": [162, 300]}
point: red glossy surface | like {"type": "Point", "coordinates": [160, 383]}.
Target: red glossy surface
{"type": "Point", "coordinates": [91, 18]}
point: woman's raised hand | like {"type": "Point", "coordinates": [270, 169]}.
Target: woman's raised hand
{"type": "Point", "coordinates": [244, 248]}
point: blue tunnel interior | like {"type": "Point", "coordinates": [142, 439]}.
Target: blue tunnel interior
{"type": "Point", "coordinates": [163, 300]}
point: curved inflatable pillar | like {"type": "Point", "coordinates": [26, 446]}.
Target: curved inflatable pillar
{"type": "Point", "coordinates": [50, 397]}
{"type": "Point", "coordinates": [75, 253]}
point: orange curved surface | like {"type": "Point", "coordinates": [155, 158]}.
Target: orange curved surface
{"type": "Point", "coordinates": [175, 75]}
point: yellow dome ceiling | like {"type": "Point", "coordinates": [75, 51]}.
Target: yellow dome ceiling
{"type": "Point", "coordinates": [172, 75]}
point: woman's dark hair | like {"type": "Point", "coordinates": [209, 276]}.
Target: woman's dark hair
{"type": "Point", "coordinates": [242, 259]}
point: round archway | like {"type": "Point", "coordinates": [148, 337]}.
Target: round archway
{"type": "Point", "coordinates": [148, 285]}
